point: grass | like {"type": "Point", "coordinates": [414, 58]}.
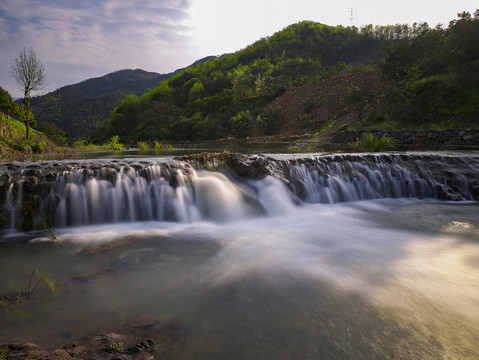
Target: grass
{"type": "Point", "coordinates": [14, 146]}
{"type": "Point", "coordinates": [13, 303]}
{"type": "Point", "coordinates": [329, 125]}
{"type": "Point", "coordinates": [3, 353]}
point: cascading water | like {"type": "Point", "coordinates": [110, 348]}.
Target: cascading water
{"type": "Point", "coordinates": [351, 178]}
{"type": "Point", "coordinates": [95, 193]}
{"type": "Point", "coordinates": [277, 257]}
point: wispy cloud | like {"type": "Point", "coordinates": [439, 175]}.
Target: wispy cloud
{"type": "Point", "coordinates": [91, 34]}
{"type": "Point", "coordinates": [86, 38]}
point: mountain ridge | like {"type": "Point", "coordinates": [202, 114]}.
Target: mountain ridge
{"type": "Point", "coordinates": [85, 105]}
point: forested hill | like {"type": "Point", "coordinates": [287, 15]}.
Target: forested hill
{"type": "Point", "coordinates": [85, 105]}
{"type": "Point", "coordinates": [200, 102]}
{"type": "Point", "coordinates": [430, 73]}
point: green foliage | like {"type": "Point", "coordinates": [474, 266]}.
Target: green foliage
{"type": "Point", "coordinates": [116, 347]}
{"type": "Point", "coordinates": [84, 106]}
{"type": "Point", "coordinates": [242, 124]}
{"type": "Point", "coordinates": [358, 99]}
{"type": "Point", "coordinates": [201, 101]}
{"type": "Point", "coordinates": [13, 144]}
{"type": "Point", "coordinates": [329, 125]}
{"type": "Point", "coordinates": [161, 146]}
{"type": "Point", "coordinates": [4, 353]}
{"type": "Point", "coordinates": [113, 144]}
{"type": "Point", "coordinates": [143, 145]}
{"type": "Point", "coordinates": [271, 120]}
{"type": "Point", "coordinates": [83, 145]}
{"type": "Point", "coordinates": [431, 72]}
{"type": "Point", "coordinates": [305, 120]}
{"type": "Point", "coordinates": [312, 104]}
{"type": "Point", "coordinates": [37, 147]}
{"type": "Point", "coordinates": [14, 304]}
{"type": "Point", "coordinates": [53, 132]}
{"type": "Point", "coordinates": [371, 142]}
{"type": "Point", "coordinates": [7, 105]}
{"type": "Point", "coordinates": [435, 75]}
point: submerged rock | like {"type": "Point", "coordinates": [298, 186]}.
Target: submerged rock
{"type": "Point", "coordinates": [136, 339]}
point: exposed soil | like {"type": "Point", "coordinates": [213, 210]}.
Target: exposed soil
{"type": "Point", "coordinates": [329, 94]}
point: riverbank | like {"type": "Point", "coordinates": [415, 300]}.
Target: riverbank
{"type": "Point", "coordinates": [138, 338]}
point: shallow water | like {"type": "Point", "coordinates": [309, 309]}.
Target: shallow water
{"type": "Point", "coordinates": [363, 280]}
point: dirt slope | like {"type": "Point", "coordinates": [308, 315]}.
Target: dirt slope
{"type": "Point", "coordinates": [328, 101]}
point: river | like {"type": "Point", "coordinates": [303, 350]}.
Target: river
{"type": "Point", "coordinates": [254, 269]}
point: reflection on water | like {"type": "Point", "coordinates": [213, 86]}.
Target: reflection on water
{"type": "Point", "coordinates": [367, 280]}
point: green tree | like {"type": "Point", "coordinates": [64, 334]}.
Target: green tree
{"type": "Point", "coordinates": [271, 120]}
{"type": "Point", "coordinates": [242, 124]}
{"type": "Point", "coordinates": [30, 75]}
{"type": "Point", "coordinates": [196, 91]}
{"type": "Point", "coordinates": [7, 105]}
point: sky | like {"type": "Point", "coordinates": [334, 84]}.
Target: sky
{"type": "Point", "coordinates": [81, 39]}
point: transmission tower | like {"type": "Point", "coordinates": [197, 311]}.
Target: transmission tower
{"type": "Point", "coordinates": [351, 16]}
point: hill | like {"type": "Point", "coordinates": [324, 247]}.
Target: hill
{"type": "Point", "coordinates": [225, 96]}
{"type": "Point", "coordinates": [84, 106]}
{"type": "Point", "coordinates": [383, 77]}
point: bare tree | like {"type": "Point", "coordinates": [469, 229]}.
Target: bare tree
{"type": "Point", "coordinates": [30, 75]}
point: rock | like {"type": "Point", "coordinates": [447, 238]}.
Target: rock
{"type": "Point", "coordinates": [59, 354]}
{"type": "Point", "coordinates": [475, 192]}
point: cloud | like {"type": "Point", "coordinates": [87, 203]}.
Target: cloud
{"type": "Point", "coordinates": [97, 35]}
{"type": "Point", "coordinates": [163, 35]}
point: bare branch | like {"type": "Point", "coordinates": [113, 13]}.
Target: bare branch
{"type": "Point", "coordinates": [30, 75]}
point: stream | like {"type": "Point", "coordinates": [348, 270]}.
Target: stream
{"type": "Point", "coordinates": [347, 259]}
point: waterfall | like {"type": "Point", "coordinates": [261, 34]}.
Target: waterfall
{"type": "Point", "coordinates": [352, 178]}
{"type": "Point", "coordinates": [84, 193]}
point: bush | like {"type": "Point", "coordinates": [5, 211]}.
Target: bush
{"type": "Point", "coordinates": [371, 142]}
{"type": "Point", "coordinates": [113, 144]}
{"type": "Point", "coordinates": [37, 147]}
{"type": "Point", "coordinates": [242, 124]}
{"type": "Point", "coordinates": [143, 145]}
{"type": "Point", "coordinates": [271, 120]}
{"type": "Point", "coordinates": [160, 146]}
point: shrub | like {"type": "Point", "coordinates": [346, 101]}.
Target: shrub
{"type": "Point", "coordinates": [305, 120]}
{"type": "Point", "coordinates": [113, 144]}
{"type": "Point", "coordinates": [143, 145]}
{"type": "Point", "coordinates": [371, 142]}
{"type": "Point", "coordinates": [271, 120]}
{"type": "Point", "coordinates": [242, 124]}
{"type": "Point", "coordinates": [161, 146]}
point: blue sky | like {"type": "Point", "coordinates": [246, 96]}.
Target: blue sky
{"type": "Point", "coordinates": [81, 39]}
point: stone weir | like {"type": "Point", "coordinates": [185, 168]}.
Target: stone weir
{"type": "Point", "coordinates": [73, 193]}
{"type": "Point", "coordinates": [350, 177]}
